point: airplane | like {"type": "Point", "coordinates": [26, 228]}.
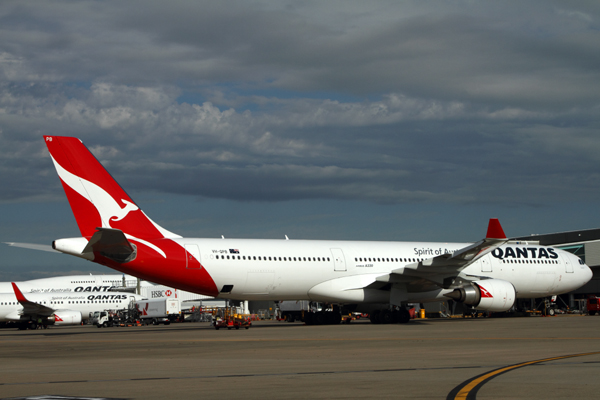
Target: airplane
{"type": "Point", "coordinates": [56, 308]}
{"type": "Point", "coordinates": [76, 283]}
{"type": "Point", "coordinates": [378, 276]}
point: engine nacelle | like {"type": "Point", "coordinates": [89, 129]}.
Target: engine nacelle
{"type": "Point", "coordinates": [490, 295]}
{"type": "Point", "coordinates": [65, 317]}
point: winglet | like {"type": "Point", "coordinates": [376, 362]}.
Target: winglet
{"type": "Point", "coordinates": [18, 293]}
{"type": "Point", "coordinates": [495, 230]}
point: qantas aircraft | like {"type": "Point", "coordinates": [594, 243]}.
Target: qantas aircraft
{"type": "Point", "coordinates": [76, 283]}
{"type": "Point", "coordinates": [487, 275]}
{"type": "Point", "coordinates": [57, 308]}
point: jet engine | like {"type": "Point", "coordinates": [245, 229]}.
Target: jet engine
{"type": "Point", "coordinates": [490, 295]}
{"type": "Point", "coordinates": [65, 317]}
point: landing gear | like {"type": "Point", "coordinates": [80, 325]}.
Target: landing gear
{"type": "Point", "coordinates": [322, 318]}
{"type": "Point", "coordinates": [374, 317]}
{"type": "Point", "coordinates": [386, 316]}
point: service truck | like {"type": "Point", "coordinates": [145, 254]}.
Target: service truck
{"type": "Point", "coordinates": [102, 319]}
{"type": "Point", "coordinates": [293, 310]}
{"type": "Point", "coordinates": [159, 311]}
{"type": "Point", "coordinates": [593, 305]}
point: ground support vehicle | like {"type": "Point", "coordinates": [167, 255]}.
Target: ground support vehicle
{"type": "Point", "coordinates": [103, 319]}
{"type": "Point", "coordinates": [593, 305]}
{"type": "Point", "coordinates": [228, 318]}
{"type": "Point", "coordinates": [159, 311]}
{"type": "Point", "coordinates": [291, 311]}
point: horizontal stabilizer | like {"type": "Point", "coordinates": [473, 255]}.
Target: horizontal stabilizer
{"type": "Point", "coordinates": [32, 246]}
{"type": "Point", "coordinates": [112, 244]}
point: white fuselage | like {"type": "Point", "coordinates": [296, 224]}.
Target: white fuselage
{"type": "Point", "coordinates": [11, 309]}
{"type": "Point", "coordinates": [340, 271]}
{"type": "Point", "coordinates": [74, 283]}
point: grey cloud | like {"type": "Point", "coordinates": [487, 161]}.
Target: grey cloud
{"type": "Point", "coordinates": [523, 55]}
{"type": "Point", "coordinates": [385, 102]}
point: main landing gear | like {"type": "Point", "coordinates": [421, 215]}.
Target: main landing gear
{"type": "Point", "coordinates": [322, 318]}
{"type": "Point", "coordinates": [386, 316]}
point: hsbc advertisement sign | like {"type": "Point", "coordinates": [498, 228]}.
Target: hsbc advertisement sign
{"type": "Point", "coordinates": [159, 292]}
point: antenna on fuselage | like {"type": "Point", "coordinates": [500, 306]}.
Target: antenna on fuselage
{"type": "Point", "coordinates": [222, 237]}
{"type": "Point", "coordinates": [286, 238]}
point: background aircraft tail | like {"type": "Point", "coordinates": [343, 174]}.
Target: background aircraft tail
{"type": "Point", "coordinates": [95, 197]}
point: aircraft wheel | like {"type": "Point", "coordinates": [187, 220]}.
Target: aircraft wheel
{"type": "Point", "coordinates": [308, 318]}
{"type": "Point", "coordinates": [386, 317]}
{"type": "Point", "coordinates": [337, 318]}
{"type": "Point", "coordinates": [551, 311]}
{"type": "Point", "coordinates": [319, 318]}
{"type": "Point", "coordinates": [374, 317]}
{"type": "Point", "coordinates": [403, 316]}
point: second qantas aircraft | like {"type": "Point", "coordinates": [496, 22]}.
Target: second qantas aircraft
{"type": "Point", "coordinates": [488, 275]}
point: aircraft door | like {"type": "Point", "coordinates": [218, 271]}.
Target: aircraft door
{"type": "Point", "coordinates": [486, 264]}
{"type": "Point", "coordinates": [192, 256]}
{"type": "Point", "coordinates": [339, 262]}
{"type": "Point", "coordinates": [568, 264]}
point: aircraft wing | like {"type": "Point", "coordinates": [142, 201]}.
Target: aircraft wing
{"type": "Point", "coordinates": [430, 273]}
{"type": "Point", "coordinates": [30, 307]}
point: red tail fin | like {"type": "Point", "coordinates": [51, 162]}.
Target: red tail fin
{"type": "Point", "coordinates": [495, 230]}
{"type": "Point", "coordinates": [95, 197]}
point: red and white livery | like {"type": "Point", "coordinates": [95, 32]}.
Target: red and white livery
{"type": "Point", "coordinates": [488, 275]}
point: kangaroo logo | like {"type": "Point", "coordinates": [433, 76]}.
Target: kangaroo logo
{"type": "Point", "coordinates": [484, 292]}
{"type": "Point", "coordinates": [108, 208]}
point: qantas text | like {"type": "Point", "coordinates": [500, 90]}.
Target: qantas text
{"type": "Point", "coordinates": [108, 297]}
{"type": "Point", "coordinates": [524, 252]}
{"type": "Point", "coordinates": [93, 289]}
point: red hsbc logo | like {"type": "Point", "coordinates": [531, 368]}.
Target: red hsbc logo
{"type": "Point", "coordinates": [168, 293]}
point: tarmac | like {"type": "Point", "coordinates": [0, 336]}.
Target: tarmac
{"type": "Point", "coordinates": [486, 358]}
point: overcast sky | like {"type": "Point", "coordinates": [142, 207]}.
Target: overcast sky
{"type": "Point", "coordinates": [373, 120]}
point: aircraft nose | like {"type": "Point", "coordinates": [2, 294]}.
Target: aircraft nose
{"type": "Point", "coordinates": [587, 274]}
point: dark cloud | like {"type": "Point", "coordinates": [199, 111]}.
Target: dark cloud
{"type": "Point", "coordinates": [386, 102]}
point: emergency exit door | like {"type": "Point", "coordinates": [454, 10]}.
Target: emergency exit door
{"type": "Point", "coordinates": [339, 262]}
